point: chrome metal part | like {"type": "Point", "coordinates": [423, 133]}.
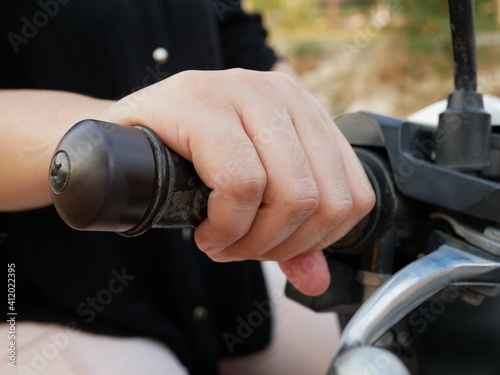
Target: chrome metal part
{"type": "Point", "coordinates": [366, 360]}
{"type": "Point", "coordinates": [407, 289]}
{"type": "Point", "coordinates": [472, 236]}
{"type": "Point", "coordinates": [493, 233]}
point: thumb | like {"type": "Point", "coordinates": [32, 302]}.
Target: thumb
{"type": "Point", "coordinates": [308, 273]}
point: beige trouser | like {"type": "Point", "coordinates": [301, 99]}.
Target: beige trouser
{"type": "Point", "coordinates": [303, 343]}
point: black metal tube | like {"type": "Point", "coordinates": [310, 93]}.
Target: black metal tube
{"type": "Point", "coordinates": [464, 45]}
{"type": "Point", "coordinates": [465, 127]}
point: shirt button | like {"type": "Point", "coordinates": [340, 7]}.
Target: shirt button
{"type": "Point", "coordinates": [200, 313]}
{"type": "Point", "coordinates": [160, 55]}
{"type": "Point", "coordinates": [187, 234]}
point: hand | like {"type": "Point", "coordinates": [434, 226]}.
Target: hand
{"type": "Point", "coordinates": [285, 182]}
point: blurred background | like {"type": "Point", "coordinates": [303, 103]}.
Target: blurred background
{"type": "Point", "coordinates": [392, 57]}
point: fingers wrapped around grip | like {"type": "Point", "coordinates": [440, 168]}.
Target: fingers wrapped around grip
{"type": "Point", "coordinates": [284, 180]}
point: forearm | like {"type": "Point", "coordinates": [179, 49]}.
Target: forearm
{"type": "Point", "coordinates": [31, 125]}
{"type": "Point", "coordinates": [285, 182]}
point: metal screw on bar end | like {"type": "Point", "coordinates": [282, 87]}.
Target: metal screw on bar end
{"type": "Point", "coordinates": [102, 176]}
{"type": "Point", "coordinates": [60, 170]}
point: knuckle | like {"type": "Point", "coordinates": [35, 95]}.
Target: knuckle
{"type": "Point", "coordinates": [305, 203]}
{"type": "Point", "coordinates": [364, 202]}
{"type": "Point", "coordinates": [192, 76]}
{"type": "Point", "coordinates": [238, 73]}
{"type": "Point", "coordinates": [337, 210]}
{"type": "Point", "coordinates": [285, 78]}
{"type": "Point", "coordinates": [303, 200]}
{"type": "Point", "coordinates": [249, 189]}
{"type": "Point", "coordinates": [344, 207]}
{"type": "Point", "coordinates": [267, 257]}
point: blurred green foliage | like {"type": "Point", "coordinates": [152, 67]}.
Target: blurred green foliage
{"type": "Point", "coordinates": [350, 7]}
{"type": "Point", "coordinates": [354, 52]}
{"type": "Point", "coordinates": [421, 26]}
{"type": "Point", "coordinates": [427, 28]}
{"type": "Point", "coordinates": [427, 22]}
{"type": "Point", "coordinates": [267, 5]}
{"type": "Point", "coordinates": [308, 48]}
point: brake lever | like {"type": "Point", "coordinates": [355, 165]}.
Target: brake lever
{"type": "Point", "coordinates": [397, 297]}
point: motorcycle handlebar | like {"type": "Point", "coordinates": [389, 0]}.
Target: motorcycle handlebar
{"type": "Point", "coordinates": [108, 177]}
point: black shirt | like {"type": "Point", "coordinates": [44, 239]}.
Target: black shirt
{"type": "Point", "coordinates": [159, 284]}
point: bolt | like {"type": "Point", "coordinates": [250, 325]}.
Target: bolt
{"type": "Point", "coordinates": [59, 172]}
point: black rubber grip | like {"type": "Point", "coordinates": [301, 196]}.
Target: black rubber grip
{"type": "Point", "coordinates": [116, 178]}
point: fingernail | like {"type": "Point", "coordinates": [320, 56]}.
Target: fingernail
{"type": "Point", "coordinates": [219, 258]}
{"type": "Point", "coordinates": [214, 250]}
